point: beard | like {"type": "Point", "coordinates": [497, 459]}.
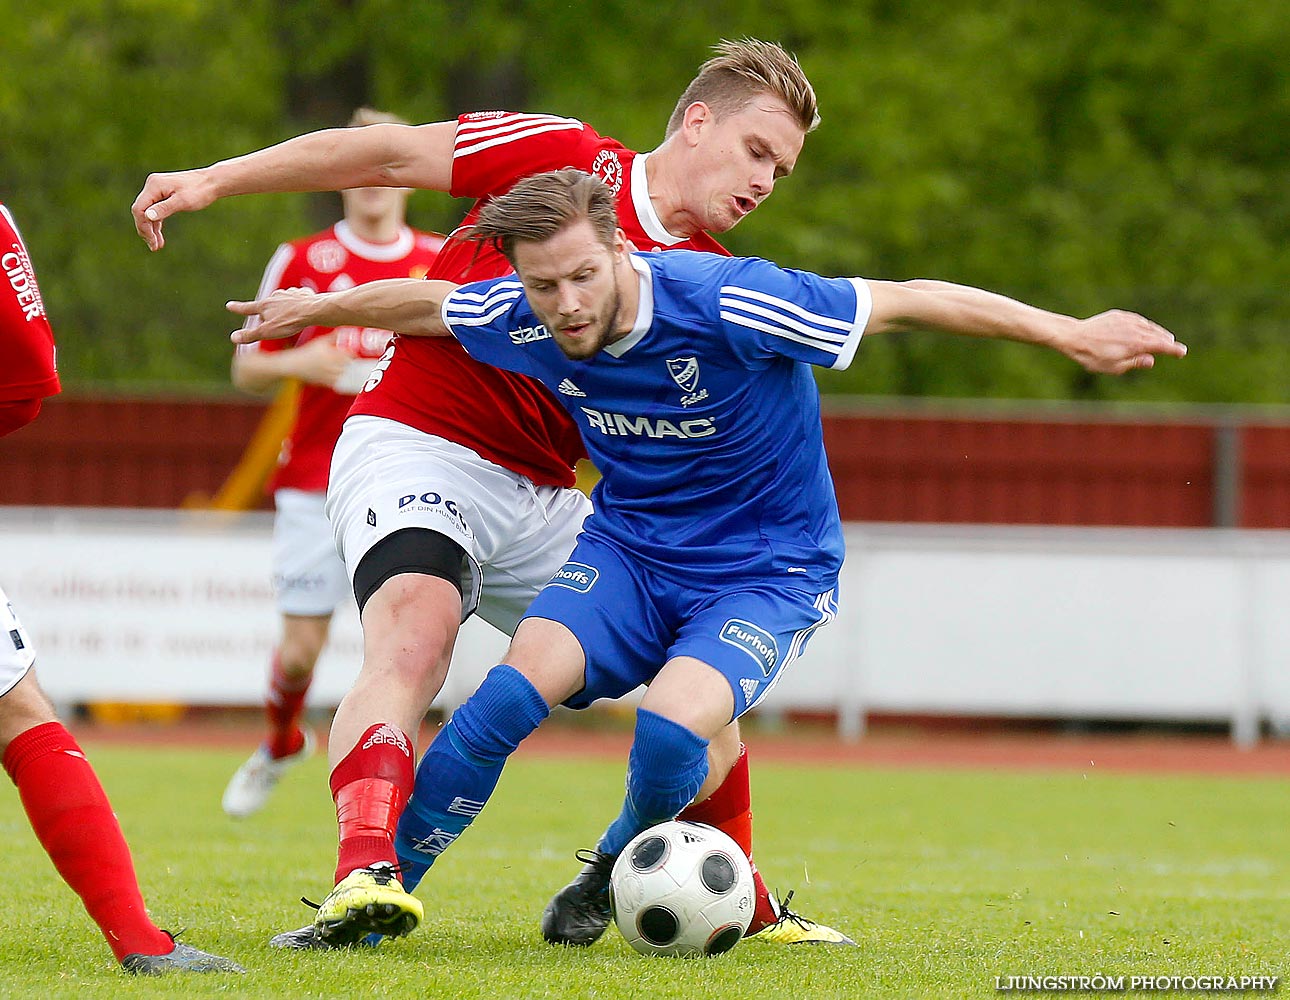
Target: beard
{"type": "Point", "coordinates": [598, 333]}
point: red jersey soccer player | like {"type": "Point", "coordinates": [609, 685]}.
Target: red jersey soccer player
{"type": "Point", "coordinates": [370, 243]}
{"type": "Point", "coordinates": [451, 482]}
{"type": "Point", "coordinates": [63, 799]}
{"type": "Point", "coordinates": [30, 373]}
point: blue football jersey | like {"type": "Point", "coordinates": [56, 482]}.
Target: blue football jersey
{"type": "Point", "coordinates": [704, 421]}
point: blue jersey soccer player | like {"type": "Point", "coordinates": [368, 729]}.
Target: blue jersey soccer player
{"type": "Point", "coordinates": [433, 421]}
{"type": "Point", "coordinates": [705, 422]}
{"type": "Point", "coordinates": [714, 548]}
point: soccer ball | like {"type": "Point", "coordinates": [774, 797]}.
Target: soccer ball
{"type": "Point", "coordinates": [682, 889]}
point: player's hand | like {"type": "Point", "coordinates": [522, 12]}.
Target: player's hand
{"type": "Point", "coordinates": [284, 313]}
{"type": "Point", "coordinates": [1115, 342]}
{"type": "Point", "coordinates": [165, 194]}
{"type": "Point", "coordinates": [320, 361]}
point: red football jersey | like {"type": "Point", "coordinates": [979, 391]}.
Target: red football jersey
{"type": "Point", "coordinates": [26, 339]}
{"type": "Point", "coordinates": [431, 383]}
{"type": "Point", "coordinates": [333, 260]}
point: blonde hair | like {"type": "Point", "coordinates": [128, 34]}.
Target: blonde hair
{"type": "Point", "coordinates": [540, 206]}
{"type": "Point", "coordinates": [742, 71]}
{"type": "Point", "coordinates": [370, 116]}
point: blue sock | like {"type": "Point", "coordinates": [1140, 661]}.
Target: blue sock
{"type": "Point", "coordinates": [460, 770]}
{"type": "Point", "coordinates": [665, 769]}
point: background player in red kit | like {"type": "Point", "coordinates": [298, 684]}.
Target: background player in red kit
{"type": "Point", "coordinates": [64, 801]}
{"type": "Point", "coordinates": [371, 242]}
{"type": "Point", "coordinates": [451, 483]}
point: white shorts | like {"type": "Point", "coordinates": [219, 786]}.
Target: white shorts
{"type": "Point", "coordinates": [16, 651]}
{"type": "Point", "coordinates": [308, 576]}
{"type": "Point", "coordinates": [386, 476]}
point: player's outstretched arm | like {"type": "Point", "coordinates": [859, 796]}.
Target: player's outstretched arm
{"type": "Point", "coordinates": [416, 156]}
{"type": "Point", "coordinates": [408, 306]}
{"type": "Point", "coordinates": [1110, 343]}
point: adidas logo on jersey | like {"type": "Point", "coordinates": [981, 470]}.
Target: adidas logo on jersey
{"type": "Point", "coordinates": [569, 389]}
{"type": "Point", "coordinates": [749, 687]}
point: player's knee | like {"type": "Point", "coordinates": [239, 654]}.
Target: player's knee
{"type": "Point", "coordinates": [550, 657]}
{"type": "Point", "coordinates": [295, 663]}
{"type": "Point", "coordinates": [298, 652]}
{"type": "Point", "coordinates": [694, 694]}
{"type": "Point", "coordinates": [410, 625]}
{"type": "Point", "coordinates": [23, 707]}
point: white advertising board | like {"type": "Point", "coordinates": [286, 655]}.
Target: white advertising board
{"type": "Point", "coordinates": [1049, 622]}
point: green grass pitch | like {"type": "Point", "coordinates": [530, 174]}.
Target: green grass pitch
{"type": "Point", "coordinates": [947, 879]}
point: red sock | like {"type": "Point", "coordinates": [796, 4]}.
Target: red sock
{"type": "Point", "coordinates": [74, 822]}
{"type": "Point", "coordinates": [371, 786]}
{"type": "Point", "coordinates": [285, 705]}
{"type": "Point", "coordinates": [729, 809]}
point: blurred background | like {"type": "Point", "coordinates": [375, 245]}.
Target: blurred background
{"type": "Point", "coordinates": [1080, 156]}
{"type": "Point", "coordinates": [1077, 155]}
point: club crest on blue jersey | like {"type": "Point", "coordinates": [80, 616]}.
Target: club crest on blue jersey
{"type": "Point", "coordinates": [576, 576]}
{"type": "Point", "coordinates": [755, 641]}
{"type": "Point", "coordinates": [685, 373]}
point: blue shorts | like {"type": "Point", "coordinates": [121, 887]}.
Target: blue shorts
{"type": "Point", "coordinates": [631, 620]}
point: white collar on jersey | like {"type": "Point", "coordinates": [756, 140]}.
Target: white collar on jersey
{"type": "Point", "coordinates": [645, 208]}
{"type": "Point", "coordinates": [644, 310]}
{"type": "Point", "coordinates": [382, 253]}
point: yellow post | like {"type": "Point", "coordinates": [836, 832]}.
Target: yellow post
{"type": "Point", "coordinates": [245, 484]}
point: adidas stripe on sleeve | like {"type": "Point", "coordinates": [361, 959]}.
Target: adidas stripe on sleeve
{"type": "Point", "coordinates": [478, 133]}
{"type": "Point", "coordinates": [768, 311]}
{"type": "Point", "coordinates": [480, 316]}
{"type": "Point", "coordinates": [493, 149]}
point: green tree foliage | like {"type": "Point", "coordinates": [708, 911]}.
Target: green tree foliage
{"type": "Point", "coordinates": [1080, 156]}
{"type": "Point", "coordinates": [92, 95]}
